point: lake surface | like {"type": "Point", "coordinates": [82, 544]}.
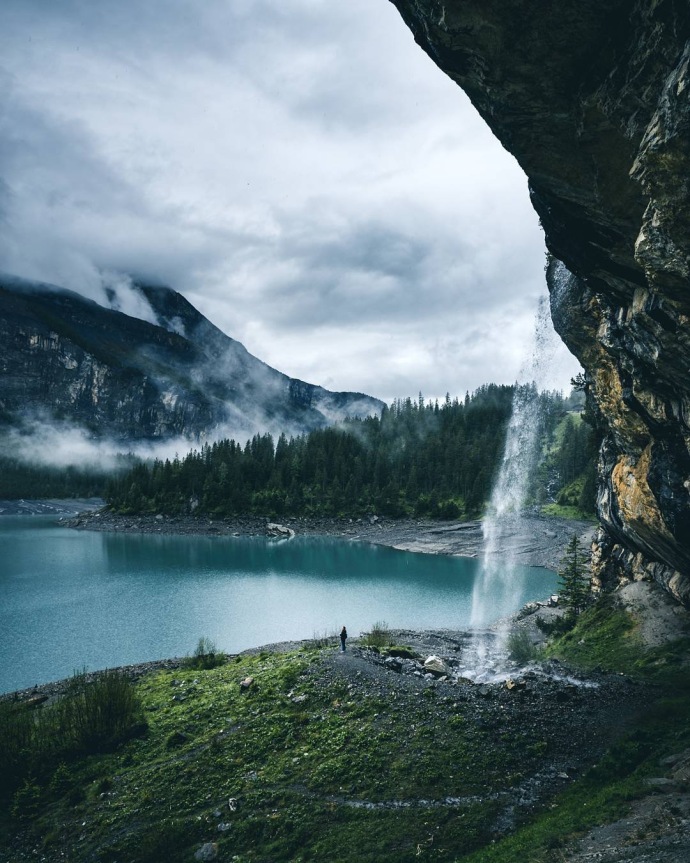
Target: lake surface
{"type": "Point", "coordinates": [74, 599]}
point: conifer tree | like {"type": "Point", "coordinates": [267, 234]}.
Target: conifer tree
{"type": "Point", "coordinates": [574, 578]}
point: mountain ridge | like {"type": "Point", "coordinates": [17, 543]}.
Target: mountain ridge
{"type": "Point", "coordinates": [66, 358]}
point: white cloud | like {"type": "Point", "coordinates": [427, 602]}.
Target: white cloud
{"type": "Point", "coordinates": [300, 170]}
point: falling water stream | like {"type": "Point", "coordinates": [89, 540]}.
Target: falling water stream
{"type": "Point", "coordinates": [501, 577]}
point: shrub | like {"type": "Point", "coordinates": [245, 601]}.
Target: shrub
{"type": "Point", "coordinates": [379, 636]}
{"type": "Point", "coordinates": [206, 655]}
{"type": "Point", "coordinates": [26, 801]}
{"type": "Point", "coordinates": [520, 647]}
{"type": "Point", "coordinates": [16, 742]}
{"type": "Point", "coordinates": [93, 716]}
{"type": "Point", "coordinates": [62, 780]}
{"type": "Point", "coordinates": [558, 626]}
{"type": "Point", "coordinates": [324, 639]}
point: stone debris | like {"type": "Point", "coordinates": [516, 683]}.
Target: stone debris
{"type": "Point", "coordinates": [280, 530]}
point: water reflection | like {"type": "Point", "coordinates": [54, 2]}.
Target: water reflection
{"type": "Point", "coordinates": [74, 599]}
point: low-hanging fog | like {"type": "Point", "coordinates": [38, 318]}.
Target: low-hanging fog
{"type": "Point", "coordinates": [300, 171]}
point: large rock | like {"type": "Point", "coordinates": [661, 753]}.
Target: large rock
{"type": "Point", "coordinates": [280, 530]}
{"type": "Point", "coordinates": [592, 98]}
{"type": "Point", "coordinates": [436, 666]}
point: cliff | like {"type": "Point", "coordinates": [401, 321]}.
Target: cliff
{"type": "Point", "coordinates": [66, 358]}
{"type": "Point", "coordinates": [591, 97]}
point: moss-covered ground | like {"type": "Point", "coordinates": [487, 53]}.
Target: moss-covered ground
{"type": "Point", "coordinates": [310, 763]}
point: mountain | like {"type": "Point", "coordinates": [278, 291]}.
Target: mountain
{"type": "Point", "coordinates": [64, 358]}
{"type": "Point", "coordinates": [591, 97]}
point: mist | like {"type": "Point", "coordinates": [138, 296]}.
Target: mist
{"type": "Point", "coordinates": [335, 204]}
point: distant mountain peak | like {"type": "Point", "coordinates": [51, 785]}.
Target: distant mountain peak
{"type": "Point", "coordinates": [170, 373]}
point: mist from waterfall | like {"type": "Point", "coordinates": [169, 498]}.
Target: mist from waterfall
{"type": "Point", "coordinates": [502, 577]}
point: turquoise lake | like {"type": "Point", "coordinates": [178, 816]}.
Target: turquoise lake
{"type": "Point", "coordinates": [74, 599]}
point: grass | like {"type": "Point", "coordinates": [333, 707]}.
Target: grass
{"type": "Point", "coordinates": [521, 649]}
{"type": "Point", "coordinates": [95, 715]}
{"type": "Point", "coordinates": [296, 755]}
{"type": "Point", "coordinates": [379, 636]}
{"type": "Point", "coordinates": [325, 638]}
{"type": "Point", "coordinates": [401, 651]}
{"type": "Point", "coordinates": [605, 637]}
{"type": "Point", "coordinates": [556, 510]}
{"type": "Point", "coordinates": [300, 767]}
{"type": "Point", "coordinates": [206, 655]}
{"type": "Point", "coordinates": [603, 794]}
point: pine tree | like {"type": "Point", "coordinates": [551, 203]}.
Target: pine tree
{"type": "Point", "coordinates": [574, 579]}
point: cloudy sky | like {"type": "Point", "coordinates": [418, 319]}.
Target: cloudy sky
{"type": "Point", "coordinates": [298, 169]}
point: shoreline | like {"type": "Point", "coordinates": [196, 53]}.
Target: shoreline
{"type": "Point", "coordinates": [533, 540]}
{"type": "Point", "coordinates": [444, 642]}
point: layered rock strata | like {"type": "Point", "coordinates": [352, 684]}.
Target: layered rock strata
{"type": "Point", "coordinates": [592, 98]}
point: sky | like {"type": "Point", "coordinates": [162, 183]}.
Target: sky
{"type": "Point", "coordinates": [299, 169]}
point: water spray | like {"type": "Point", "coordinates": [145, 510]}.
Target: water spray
{"type": "Point", "coordinates": [501, 578]}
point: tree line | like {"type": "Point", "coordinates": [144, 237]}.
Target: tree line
{"type": "Point", "coordinates": [21, 479]}
{"type": "Point", "coordinates": [418, 458]}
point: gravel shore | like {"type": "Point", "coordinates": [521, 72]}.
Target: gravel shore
{"type": "Point", "coordinates": [533, 540]}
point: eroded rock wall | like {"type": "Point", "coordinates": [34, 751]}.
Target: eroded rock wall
{"type": "Point", "coordinates": [593, 99]}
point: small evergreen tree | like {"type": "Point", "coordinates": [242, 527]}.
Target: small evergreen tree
{"type": "Point", "coordinates": [574, 578]}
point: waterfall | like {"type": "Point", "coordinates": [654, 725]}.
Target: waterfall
{"type": "Point", "coordinates": [503, 524]}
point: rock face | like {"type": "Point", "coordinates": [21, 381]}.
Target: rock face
{"type": "Point", "coordinates": [65, 358]}
{"type": "Point", "coordinates": [592, 98]}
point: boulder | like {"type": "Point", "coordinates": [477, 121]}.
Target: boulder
{"type": "Point", "coordinates": [436, 666]}
{"type": "Point", "coordinates": [208, 851]}
{"type": "Point", "coordinates": [274, 529]}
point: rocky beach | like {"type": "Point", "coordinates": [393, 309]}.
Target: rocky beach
{"type": "Point", "coordinates": [533, 540]}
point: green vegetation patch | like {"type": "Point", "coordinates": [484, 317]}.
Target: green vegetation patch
{"type": "Point", "coordinates": [556, 510]}
{"type": "Point", "coordinates": [281, 757]}
{"type": "Point", "coordinates": [605, 636]}
{"type": "Point", "coordinates": [275, 761]}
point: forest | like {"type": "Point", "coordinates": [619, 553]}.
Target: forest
{"type": "Point", "coordinates": [21, 479]}
{"type": "Point", "coordinates": [418, 458]}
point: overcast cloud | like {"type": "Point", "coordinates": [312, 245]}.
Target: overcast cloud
{"type": "Point", "coordinates": [298, 169]}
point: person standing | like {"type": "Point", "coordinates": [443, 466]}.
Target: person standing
{"type": "Point", "coordinates": [343, 639]}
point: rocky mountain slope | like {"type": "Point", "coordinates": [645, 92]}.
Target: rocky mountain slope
{"type": "Point", "coordinates": [592, 98]}
{"type": "Point", "coordinates": [66, 358]}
